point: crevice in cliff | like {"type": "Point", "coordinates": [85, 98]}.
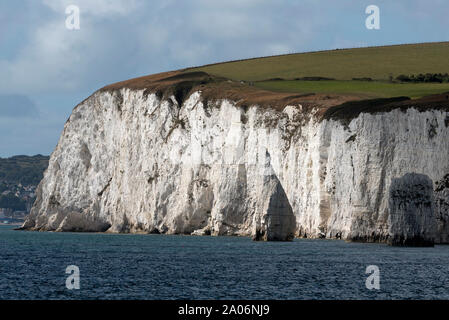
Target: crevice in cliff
{"type": "Point", "coordinates": [53, 202]}
{"type": "Point", "coordinates": [105, 188]}
{"type": "Point", "coordinates": [351, 138]}
{"type": "Point", "coordinates": [442, 184]}
{"type": "Point", "coordinates": [177, 123]}
{"type": "Point", "coordinates": [433, 126]}
{"type": "Point", "coordinates": [85, 156]}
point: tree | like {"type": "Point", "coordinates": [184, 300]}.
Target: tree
{"type": "Point", "coordinates": [10, 201]}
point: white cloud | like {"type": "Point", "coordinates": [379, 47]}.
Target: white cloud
{"type": "Point", "coordinates": [122, 37]}
{"type": "Point", "coordinates": [57, 58]}
{"type": "Point", "coordinates": [50, 59]}
{"type": "Point", "coordinates": [101, 8]}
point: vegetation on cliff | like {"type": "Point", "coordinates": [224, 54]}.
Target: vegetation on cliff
{"type": "Point", "coordinates": [23, 169]}
{"type": "Point", "coordinates": [339, 83]}
{"type": "Point", "coordinates": [19, 177]}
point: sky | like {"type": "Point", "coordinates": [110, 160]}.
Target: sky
{"type": "Point", "coordinates": [46, 69]}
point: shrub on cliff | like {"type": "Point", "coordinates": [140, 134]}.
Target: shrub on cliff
{"type": "Point", "coordinates": [428, 77]}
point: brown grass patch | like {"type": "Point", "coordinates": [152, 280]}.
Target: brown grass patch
{"type": "Point", "coordinates": [181, 84]}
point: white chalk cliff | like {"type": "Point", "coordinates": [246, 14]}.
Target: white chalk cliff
{"type": "Point", "coordinates": [130, 160]}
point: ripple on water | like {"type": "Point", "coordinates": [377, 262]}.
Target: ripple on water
{"type": "Point", "coordinates": [122, 266]}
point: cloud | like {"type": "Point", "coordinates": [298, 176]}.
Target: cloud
{"type": "Point", "coordinates": [121, 39]}
{"type": "Point", "coordinates": [199, 31]}
{"type": "Point", "coordinates": [17, 106]}
{"type": "Point", "coordinates": [55, 58]}
{"type": "Point", "coordinates": [99, 8]}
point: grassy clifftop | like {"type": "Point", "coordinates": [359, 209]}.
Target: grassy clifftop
{"type": "Point", "coordinates": [339, 68]}
{"type": "Point", "coordinates": [377, 63]}
{"type": "Point", "coordinates": [323, 80]}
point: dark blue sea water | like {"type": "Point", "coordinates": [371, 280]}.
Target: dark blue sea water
{"type": "Point", "coordinates": [124, 266]}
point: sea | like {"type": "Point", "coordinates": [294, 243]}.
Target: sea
{"type": "Point", "coordinates": [42, 265]}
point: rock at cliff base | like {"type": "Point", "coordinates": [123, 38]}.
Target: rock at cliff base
{"type": "Point", "coordinates": [412, 215]}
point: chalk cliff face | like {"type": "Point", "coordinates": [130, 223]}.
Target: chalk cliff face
{"type": "Point", "coordinates": [133, 161]}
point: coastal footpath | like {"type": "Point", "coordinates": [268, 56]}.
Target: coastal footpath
{"type": "Point", "coordinates": [188, 153]}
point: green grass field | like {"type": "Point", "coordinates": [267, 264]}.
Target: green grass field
{"type": "Point", "coordinates": [365, 89]}
{"type": "Point", "coordinates": [375, 62]}
{"type": "Point", "coordinates": [378, 63]}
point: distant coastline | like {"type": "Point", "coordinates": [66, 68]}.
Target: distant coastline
{"type": "Point", "coordinates": [9, 222]}
{"type": "Point", "coordinates": [19, 178]}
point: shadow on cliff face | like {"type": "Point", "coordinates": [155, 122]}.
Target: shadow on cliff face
{"type": "Point", "coordinates": [441, 194]}
{"type": "Point", "coordinates": [277, 221]}
{"type": "Point", "coordinates": [412, 219]}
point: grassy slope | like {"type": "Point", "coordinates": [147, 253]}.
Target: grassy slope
{"type": "Point", "coordinates": [378, 63]}
{"type": "Point", "coordinates": [23, 169]}
{"type": "Point", "coordinates": [374, 62]}
{"type": "Point", "coordinates": [364, 89]}
{"type": "Point", "coordinates": [223, 81]}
